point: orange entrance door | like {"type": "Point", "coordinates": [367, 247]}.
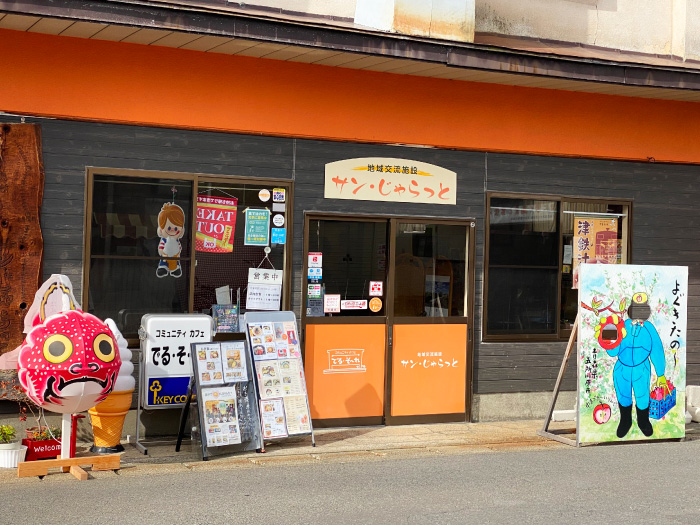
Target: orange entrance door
{"type": "Point", "coordinates": [386, 309]}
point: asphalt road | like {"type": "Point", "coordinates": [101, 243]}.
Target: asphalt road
{"type": "Point", "coordinates": [646, 483]}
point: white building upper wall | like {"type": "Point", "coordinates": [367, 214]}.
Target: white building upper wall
{"type": "Point", "coordinates": [662, 27]}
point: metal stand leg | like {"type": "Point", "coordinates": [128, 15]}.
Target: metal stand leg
{"type": "Point", "coordinates": [137, 444]}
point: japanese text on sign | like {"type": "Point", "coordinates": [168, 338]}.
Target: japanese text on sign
{"type": "Point", "coordinates": [264, 276]}
{"type": "Point", "coordinates": [257, 227]}
{"type": "Point", "coordinates": [595, 242]}
{"type": "Point", "coordinates": [429, 360]}
{"type": "Point", "coordinates": [392, 180]}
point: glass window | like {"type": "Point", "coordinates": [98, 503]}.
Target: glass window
{"type": "Point", "coordinates": [223, 254]}
{"type": "Point", "coordinates": [430, 270]}
{"type": "Point", "coordinates": [530, 275]}
{"type": "Point", "coordinates": [523, 266]}
{"type": "Point", "coordinates": [610, 246]}
{"type": "Point", "coordinates": [124, 249]}
{"type": "Point", "coordinates": [353, 254]}
{"type": "Point", "coordinates": [141, 236]}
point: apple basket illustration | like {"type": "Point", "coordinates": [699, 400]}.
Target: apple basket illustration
{"type": "Point", "coordinates": [662, 399]}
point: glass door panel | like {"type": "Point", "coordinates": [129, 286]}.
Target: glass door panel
{"type": "Point", "coordinates": [345, 321]}
{"type": "Point", "coordinates": [429, 322]}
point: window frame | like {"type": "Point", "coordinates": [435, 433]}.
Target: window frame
{"type": "Point", "coordinates": [561, 334]}
{"type": "Point", "coordinates": [195, 179]}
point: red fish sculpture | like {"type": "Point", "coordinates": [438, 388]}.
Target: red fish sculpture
{"type": "Point", "coordinates": [69, 362]}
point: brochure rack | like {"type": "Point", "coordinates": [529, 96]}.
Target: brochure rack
{"type": "Point", "coordinates": [224, 417]}
{"type": "Point", "coordinates": [273, 339]}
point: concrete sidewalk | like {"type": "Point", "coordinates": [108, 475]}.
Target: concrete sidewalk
{"type": "Point", "coordinates": [332, 445]}
{"type": "Point", "coordinates": [336, 445]}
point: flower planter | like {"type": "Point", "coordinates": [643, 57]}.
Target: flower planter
{"type": "Point", "coordinates": [46, 448]}
{"type": "Point", "coordinates": [13, 445]}
{"type": "Point", "coordinates": [9, 458]}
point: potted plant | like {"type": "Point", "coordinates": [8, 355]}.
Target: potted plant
{"type": "Point", "coordinates": [43, 442]}
{"type": "Point", "coordinates": [8, 439]}
{"type": "Point", "coordinates": [11, 452]}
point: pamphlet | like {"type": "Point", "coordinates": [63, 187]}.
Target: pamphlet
{"type": "Point", "coordinates": [262, 340]}
{"type": "Point", "coordinates": [273, 420]}
{"type": "Point", "coordinates": [209, 364]}
{"type": "Point", "coordinates": [220, 416]}
{"type": "Point", "coordinates": [234, 361]}
{"type": "Point", "coordinates": [292, 339]}
{"type": "Point", "coordinates": [269, 379]}
{"type": "Point", "coordinates": [290, 373]}
{"type": "Point", "coordinates": [297, 412]}
{"type": "Point", "coordinates": [225, 318]}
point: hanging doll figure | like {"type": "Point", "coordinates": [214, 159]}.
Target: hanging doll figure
{"type": "Point", "coordinates": [171, 228]}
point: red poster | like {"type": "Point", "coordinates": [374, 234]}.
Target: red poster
{"type": "Point", "coordinates": [216, 224]}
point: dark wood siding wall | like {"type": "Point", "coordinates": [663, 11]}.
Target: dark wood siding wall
{"type": "Point", "coordinates": [664, 215]}
{"type": "Point", "coordinates": [664, 208]}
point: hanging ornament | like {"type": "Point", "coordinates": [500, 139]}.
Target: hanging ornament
{"type": "Point", "coordinates": [171, 228]}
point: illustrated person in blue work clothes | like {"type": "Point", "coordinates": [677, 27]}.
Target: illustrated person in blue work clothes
{"type": "Point", "coordinates": [632, 372]}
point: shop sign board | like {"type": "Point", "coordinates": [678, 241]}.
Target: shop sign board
{"type": "Point", "coordinates": [390, 180]}
{"type": "Point", "coordinates": [632, 323]}
{"type": "Point", "coordinates": [257, 227]}
{"type": "Point", "coordinates": [595, 242]}
{"type": "Point", "coordinates": [376, 288]}
{"type": "Point", "coordinates": [166, 361]}
{"type": "Point", "coordinates": [315, 273]}
{"type": "Point", "coordinates": [216, 224]}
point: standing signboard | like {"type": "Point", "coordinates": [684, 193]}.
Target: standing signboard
{"type": "Point", "coordinates": [225, 417]}
{"type": "Point", "coordinates": [279, 374]}
{"type": "Point", "coordinates": [631, 352]}
{"type": "Point", "coordinates": [166, 365]}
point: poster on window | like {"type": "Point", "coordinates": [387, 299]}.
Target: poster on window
{"type": "Point", "coordinates": [216, 224]}
{"type": "Point", "coordinates": [257, 227]}
{"type": "Point", "coordinates": [595, 242]}
{"type": "Point", "coordinates": [631, 352]}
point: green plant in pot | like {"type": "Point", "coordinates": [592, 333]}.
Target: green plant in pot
{"type": "Point", "coordinates": [8, 438]}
